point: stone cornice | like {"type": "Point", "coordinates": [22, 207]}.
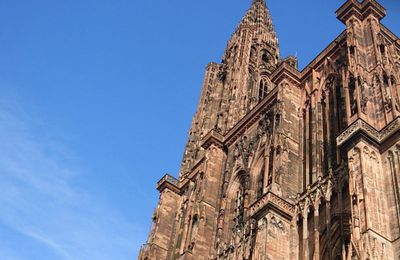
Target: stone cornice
{"type": "Point", "coordinates": [360, 10]}
{"type": "Point", "coordinates": [272, 201]}
{"type": "Point", "coordinates": [168, 182]}
{"type": "Point", "coordinates": [213, 137]}
{"type": "Point", "coordinates": [360, 127]}
{"type": "Point", "coordinates": [285, 71]}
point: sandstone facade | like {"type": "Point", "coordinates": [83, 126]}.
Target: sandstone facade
{"type": "Point", "coordinates": [289, 164]}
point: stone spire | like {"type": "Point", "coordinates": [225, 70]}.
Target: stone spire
{"type": "Point", "coordinates": [259, 16]}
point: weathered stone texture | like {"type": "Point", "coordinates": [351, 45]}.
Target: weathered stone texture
{"type": "Point", "coordinates": [283, 164]}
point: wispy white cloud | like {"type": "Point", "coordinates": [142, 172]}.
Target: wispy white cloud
{"type": "Point", "coordinates": [39, 201]}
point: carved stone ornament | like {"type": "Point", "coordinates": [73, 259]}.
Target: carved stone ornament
{"type": "Point", "coordinates": [266, 123]}
{"type": "Point", "coordinates": [277, 223]}
{"type": "Point", "coordinates": [245, 147]}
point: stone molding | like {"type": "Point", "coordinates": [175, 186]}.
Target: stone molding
{"type": "Point", "coordinates": [168, 182]}
{"type": "Point", "coordinates": [362, 127]}
{"type": "Point", "coordinates": [213, 137]}
{"type": "Point", "coordinates": [272, 201]}
{"type": "Point", "coordinates": [360, 10]}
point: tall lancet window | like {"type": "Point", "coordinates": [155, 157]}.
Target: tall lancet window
{"type": "Point", "coordinates": [239, 207]}
{"type": "Point", "coordinates": [266, 57]}
{"type": "Point", "coordinates": [263, 89]}
{"type": "Point", "coordinates": [260, 183]}
{"type": "Point", "coordinates": [193, 231]}
{"type": "Point", "coordinates": [383, 52]}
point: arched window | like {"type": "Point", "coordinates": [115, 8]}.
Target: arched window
{"type": "Point", "coordinates": [192, 232]}
{"type": "Point", "coordinates": [238, 214]}
{"type": "Point", "coordinates": [383, 52]}
{"type": "Point", "coordinates": [266, 57]}
{"type": "Point", "coordinates": [263, 89]}
{"type": "Point", "coordinates": [239, 207]}
{"type": "Point", "coordinates": [260, 184]}
{"type": "Point", "coordinates": [352, 52]}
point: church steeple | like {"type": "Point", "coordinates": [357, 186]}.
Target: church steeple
{"type": "Point", "coordinates": [251, 56]}
{"type": "Point", "coordinates": [258, 16]}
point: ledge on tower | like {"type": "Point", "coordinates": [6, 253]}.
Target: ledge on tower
{"type": "Point", "coordinates": [213, 137]}
{"type": "Point", "coordinates": [360, 9]}
{"type": "Point", "coordinates": [271, 201]}
{"type": "Point", "coordinates": [168, 182]}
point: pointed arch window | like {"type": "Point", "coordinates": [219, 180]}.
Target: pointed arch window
{"type": "Point", "coordinates": [239, 208]}
{"type": "Point", "coordinates": [260, 184]}
{"type": "Point", "coordinates": [193, 231]}
{"type": "Point", "coordinates": [383, 52]}
{"type": "Point", "coordinates": [239, 203]}
{"type": "Point", "coordinates": [266, 57]}
{"type": "Point", "coordinates": [263, 89]}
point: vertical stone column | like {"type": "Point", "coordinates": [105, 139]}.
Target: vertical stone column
{"type": "Point", "coordinates": [162, 236]}
{"type": "Point", "coordinates": [305, 234]}
{"type": "Point", "coordinates": [213, 165]}
{"type": "Point", "coordinates": [184, 236]}
{"type": "Point", "coordinates": [294, 240]}
{"type": "Point", "coordinates": [266, 169]}
{"type": "Point", "coordinates": [307, 145]}
{"type": "Point", "coordinates": [328, 228]}
{"type": "Point", "coordinates": [316, 231]}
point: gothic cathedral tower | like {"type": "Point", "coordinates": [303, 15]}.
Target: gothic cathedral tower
{"type": "Point", "coordinates": [288, 164]}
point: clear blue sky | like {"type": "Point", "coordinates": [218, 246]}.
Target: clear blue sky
{"type": "Point", "coordinates": [96, 99]}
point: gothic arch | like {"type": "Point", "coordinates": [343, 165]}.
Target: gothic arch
{"type": "Point", "coordinates": [332, 240]}
{"type": "Point", "coordinates": [237, 200]}
{"type": "Point", "coordinates": [257, 175]}
{"type": "Point", "coordinates": [239, 177]}
{"type": "Point", "coordinates": [264, 87]}
{"type": "Point", "coordinates": [266, 56]}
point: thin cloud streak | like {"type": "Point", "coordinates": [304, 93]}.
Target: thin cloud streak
{"type": "Point", "coordinates": [38, 200]}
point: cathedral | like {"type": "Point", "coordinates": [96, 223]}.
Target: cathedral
{"type": "Point", "coordinates": [287, 164]}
